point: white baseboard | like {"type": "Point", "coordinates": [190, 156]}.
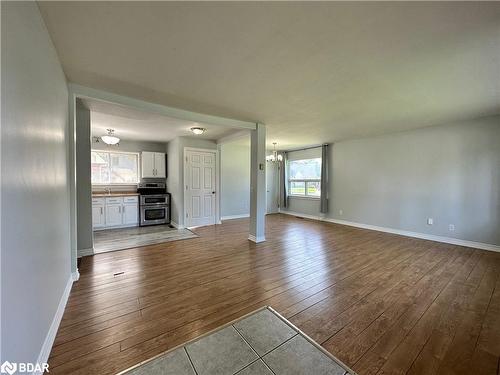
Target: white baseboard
{"type": "Point", "coordinates": [51, 335]}
{"type": "Point", "coordinates": [177, 225]}
{"type": "Point", "coordinates": [423, 236]}
{"type": "Point", "coordinates": [256, 239]}
{"type": "Point", "coordinates": [231, 217]}
{"type": "Point", "coordinates": [85, 252]}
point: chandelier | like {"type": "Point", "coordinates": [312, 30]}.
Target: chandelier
{"type": "Point", "coordinates": [274, 157]}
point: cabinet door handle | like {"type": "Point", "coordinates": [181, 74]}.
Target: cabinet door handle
{"type": "Point", "coordinates": [119, 209]}
{"type": "Point", "coordinates": [101, 211]}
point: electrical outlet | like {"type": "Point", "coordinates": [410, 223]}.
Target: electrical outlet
{"type": "Point", "coordinates": [430, 221]}
{"type": "Point", "coordinates": [451, 227]}
{"type": "Point", "coordinates": [341, 212]}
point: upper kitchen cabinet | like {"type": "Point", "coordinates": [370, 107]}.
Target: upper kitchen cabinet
{"type": "Point", "coordinates": [160, 165]}
{"type": "Point", "coordinates": [153, 165]}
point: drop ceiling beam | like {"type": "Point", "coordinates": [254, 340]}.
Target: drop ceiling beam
{"type": "Point", "coordinates": [90, 93]}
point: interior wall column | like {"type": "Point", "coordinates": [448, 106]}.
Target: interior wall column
{"type": "Point", "coordinates": [72, 181]}
{"type": "Point", "coordinates": [258, 184]}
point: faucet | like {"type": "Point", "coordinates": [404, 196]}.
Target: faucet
{"type": "Point", "coordinates": [107, 189]}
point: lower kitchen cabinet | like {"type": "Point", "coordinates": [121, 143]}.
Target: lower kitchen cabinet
{"type": "Point", "coordinates": [130, 214]}
{"type": "Point", "coordinates": [113, 215]}
{"type": "Point", "coordinates": [115, 212]}
{"type": "Point", "coordinates": [98, 215]}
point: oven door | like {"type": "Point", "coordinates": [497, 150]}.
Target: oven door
{"type": "Point", "coordinates": [151, 215]}
{"type": "Point", "coordinates": [154, 200]}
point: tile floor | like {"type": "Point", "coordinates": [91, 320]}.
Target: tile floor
{"type": "Point", "coordinates": [259, 344]}
{"type": "Point", "coordinates": [125, 238]}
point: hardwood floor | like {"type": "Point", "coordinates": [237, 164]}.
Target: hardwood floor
{"type": "Point", "coordinates": [383, 304]}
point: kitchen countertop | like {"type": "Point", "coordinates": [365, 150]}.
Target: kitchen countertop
{"type": "Point", "coordinates": [114, 194]}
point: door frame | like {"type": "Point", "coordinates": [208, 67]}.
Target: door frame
{"type": "Point", "coordinates": [217, 182]}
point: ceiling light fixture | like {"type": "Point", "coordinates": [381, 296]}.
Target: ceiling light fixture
{"type": "Point", "coordinates": [197, 130]}
{"type": "Point", "coordinates": [274, 157]}
{"type": "Point", "coordinates": [110, 138]}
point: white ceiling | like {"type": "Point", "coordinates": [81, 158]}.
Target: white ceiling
{"type": "Point", "coordinates": [132, 124]}
{"type": "Point", "coordinates": [311, 71]}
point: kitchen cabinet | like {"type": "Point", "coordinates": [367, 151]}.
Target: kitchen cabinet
{"type": "Point", "coordinates": [160, 165]}
{"type": "Point", "coordinates": [98, 213]}
{"type": "Point", "coordinates": [130, 211]}
{"type": "Point", "coordinates": [113, 215]}
{"type": "Point", "coordinates": [153, 165]}
{"type": "Point", "coordinates": [113, 212]}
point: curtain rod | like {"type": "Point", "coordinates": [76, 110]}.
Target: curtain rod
{"type": "Point", "coordinates": [305, 148]}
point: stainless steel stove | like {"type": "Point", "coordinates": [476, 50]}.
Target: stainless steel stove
{"type": "Point", "coordinates": [154, 204]}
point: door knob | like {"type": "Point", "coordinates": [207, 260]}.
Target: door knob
{"type": "Point", "coordinates": [213, 192]}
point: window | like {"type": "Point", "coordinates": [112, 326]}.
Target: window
{"type": "Point", "coordinates": [110, 168]}
{"type": "Point", "coordinates": [304, 177]}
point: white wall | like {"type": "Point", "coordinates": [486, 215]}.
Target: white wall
{"type": "Point", "coordinates": [35, 238]}
{"type": "Point", "coordinates": [235, 178]}
{"type": "Point", "coordinates": [450, 173]}
{"type": "Point", "coordinates": [174, 185]}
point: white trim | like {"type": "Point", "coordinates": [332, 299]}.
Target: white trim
{"type": "Point", "coordinates": [300, 214]}
{"type": "Point", "coordinates": [231, 217]}
{"type": "Point", "coordinates": [51, 334]}
{"type": "Point", "coordinates": [177, 225]}
{"type": "Point", "coordinates": [423, 236]}
{"type": "Point", "coordinates": [85, 252]}
{"type": "Point", "coordinates": [217, 185]}
{"type": "Point", "coordinates": [306, 197]}
{"type": "Point", "coordinates": [252, 238]}
{"type": "Point", "coordinates": [76, 275]}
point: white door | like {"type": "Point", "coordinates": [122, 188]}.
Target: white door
{"type": "Point", "coordinates": [160, 165]}
{"type": "Point", "coordinates": [199, 180]}
{"type": "Point", "coordinates": [147, 164]}
{"type": "Point", "coordinates": [113, 215]}
{"type": "Point", "coordinates": [130, 214]}
{"type": "Point", "coordinates": [98, 216]}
